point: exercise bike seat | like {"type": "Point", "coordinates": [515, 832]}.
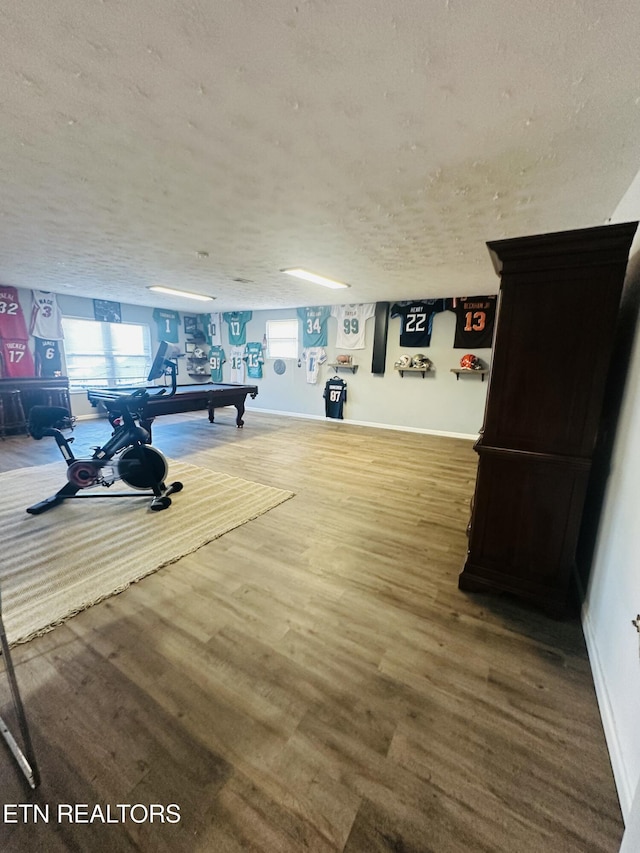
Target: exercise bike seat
{"type": "Point", "coordinates": [45, 418]}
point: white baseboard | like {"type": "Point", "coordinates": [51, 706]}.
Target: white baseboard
{"type": "Point", "coordinates": [444, 433]}
{"type": "Point", "coordinates": [624, 785]}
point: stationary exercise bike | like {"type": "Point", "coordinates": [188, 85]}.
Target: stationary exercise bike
{"type": "Point", "coordinates": [127, 455]}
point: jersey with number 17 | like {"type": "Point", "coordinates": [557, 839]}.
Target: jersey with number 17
{"type": "Point", "coordinates": [17, 361]}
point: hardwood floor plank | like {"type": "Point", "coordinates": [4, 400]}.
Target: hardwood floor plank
{"type": "Point", "coordinates": [314, 680]}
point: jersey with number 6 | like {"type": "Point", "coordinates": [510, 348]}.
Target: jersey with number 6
{"type": "Point", "coordinates": [475, 318]}
{"type": "Point", "coordinates": [351, 324]}
{"type": "Point", "coordinates": [47, 357]}
{"type": "Point", "coordinates": [416, 320]}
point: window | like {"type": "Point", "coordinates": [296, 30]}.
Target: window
{"type": "Point", "coordinates": [282, 338]}
{"type": "Point", "coordinates": [106, 354]}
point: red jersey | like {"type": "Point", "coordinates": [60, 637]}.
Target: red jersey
{"type": "Point", "coordinates": [12, 324]}
{"type": "Point", "coordinates": [17, 361]}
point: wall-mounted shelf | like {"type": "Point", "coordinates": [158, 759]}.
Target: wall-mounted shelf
{"type": "Point", "coordinates": [422, 370]}
{"type": "Point", "coordinates": [336, 366]}
{"type": "Point", "coordinates": [463, 371]}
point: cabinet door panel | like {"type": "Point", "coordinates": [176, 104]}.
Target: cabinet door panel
{"type": "Point", "coordinates": [552, 351]}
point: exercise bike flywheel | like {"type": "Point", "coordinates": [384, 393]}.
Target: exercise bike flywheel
{"type": "Point", "coordinates": [142, 467]}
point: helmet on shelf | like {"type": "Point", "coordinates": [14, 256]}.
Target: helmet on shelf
{"type": "Point", "coordinates": [470, 362]}
{"type": "Point", "coordinates": [343, 359]}
{"type": "Point", "coordinates": [421, 361]}
{"type": "Point", "coordinates": [403, 361]}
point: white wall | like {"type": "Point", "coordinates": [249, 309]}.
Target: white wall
{"type": "Point", "coordinates": [613, 594]}
{"type": "Point", "coordinates": [437, 403]}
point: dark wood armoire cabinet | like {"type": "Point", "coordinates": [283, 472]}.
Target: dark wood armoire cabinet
{"type": "Point", "coordinates": [554, 334]}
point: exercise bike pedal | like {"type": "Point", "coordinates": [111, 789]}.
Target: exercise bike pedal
{"type": "Point", "coordinates": [160, 503]}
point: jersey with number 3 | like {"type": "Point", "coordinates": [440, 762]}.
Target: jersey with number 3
{"type": "Point", "coordinates": [416, 319]}
{"type": "Point", "coordinates": [475, 318]}
{"type": "Point", "coordinates": [17, 361]}
{"type": "Point", "coordinates": [46, 318]}
{"type": "Point", "coordinates": [12, 324]}
{"type": "Point", "coordinates": [351, 324]}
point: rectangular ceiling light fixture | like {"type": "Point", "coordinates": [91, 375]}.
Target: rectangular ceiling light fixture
{"type": "Point", "coordinates": [159, 289]}
{"type": "Point", "coordinates": [316, 279]}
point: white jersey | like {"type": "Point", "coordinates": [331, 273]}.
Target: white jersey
{"type": "Point", "coordinates": [236, 360]}
{"type": "Point", "coordinates": [313, 358]}
{"type": "Point", "coordinates": [351, 324]}
{"type": "Point", "coordinates": [46, 317]}
{"type": "Point", "coordinates": [214, 332]}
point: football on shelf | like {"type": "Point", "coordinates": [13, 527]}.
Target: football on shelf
{"type": "Point", "coordinates": [343, 359]}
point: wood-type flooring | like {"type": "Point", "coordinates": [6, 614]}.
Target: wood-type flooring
{"type": "Point", "coordinates": [313, 680]}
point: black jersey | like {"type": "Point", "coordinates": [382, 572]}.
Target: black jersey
{"type": "Point", "coordinates": [335, 396]}
{"type": "Point", "coordinates": [48, 358]}
{"type": "Point", "coordinates": [475, 318]}
{"type": "Point", "coordinates": [416, 320]}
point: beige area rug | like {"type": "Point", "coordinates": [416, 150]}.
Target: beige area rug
{"type": "Point", "coordinates": [56, 564]}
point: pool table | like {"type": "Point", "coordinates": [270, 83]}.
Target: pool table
{"type": "Point", "coordinates": [187, 398]}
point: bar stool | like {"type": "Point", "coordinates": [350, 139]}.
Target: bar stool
{"type": "Point", "coordinates": [11, 413]}
{"type": "Point", "coordinates": [58, 396]}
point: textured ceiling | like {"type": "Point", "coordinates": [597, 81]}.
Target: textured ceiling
{"type": "Point", "coordinates": [380, 142]}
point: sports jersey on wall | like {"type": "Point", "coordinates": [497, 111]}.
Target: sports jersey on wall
{"type": "Point", "coordinates": [46, 317]}
{"type": "Point", "coordinates": [475, 318]}
{"type": "Point", "coordinates": [416, 320]}
{"type": "Point", "coordinates": [17, 361]}
{"type": "Point", "coordinates": [314, 325]}
{"type": "Point", "coordinates": [12, 323]}
{"type": "Point", "coordinates": [217, 358]}
{"type": "Point", "coordinates": [313, 358]}
{"type": "Point", "coordinates": [212, 328]}
{"type": "Point", "coordinates": [254, 359]}
{"type": "Point", "coordinates": [237, 322]}
{"type": "Point", "coordinates": [335, 396]}
{"type": "Point", "coordinates": [236, 360]}
{"type": "Point", "coordinates": [168, 323]}
{"type": "Point", "coordinates": [48, 359]}
{"type": "Point", "coordinates": [351, 324]}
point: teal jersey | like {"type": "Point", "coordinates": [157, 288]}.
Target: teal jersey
{"type": "Point", "coordinates": [237, 322]}
{"type": "Point", "coordinates": [314, 325]}
{"type": "Point", "coordinates": [167, 323]}
{"type": "Point", "coordinates": [216, 359]}
{"type": "Point", "coordinates": [254, 359]}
